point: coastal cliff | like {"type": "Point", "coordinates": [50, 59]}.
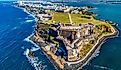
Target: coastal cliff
{"type": "Point", "coordinates": [38, 40]}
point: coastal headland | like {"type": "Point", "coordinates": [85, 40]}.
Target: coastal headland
{"type": "Point", "coordinates": [68, 36]}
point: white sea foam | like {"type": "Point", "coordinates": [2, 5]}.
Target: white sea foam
{"type": "Point", "coordinates": [27, 39]}
{"type": "Point", "coordinates": [23, 47]}
{"type": "Point", "coordinates": [33, 26]}
{"type": "Point", "coordinates": [25, 11]}
{"type": "Point", "coordinates": [29, 20]}
{"type": "Point", "coordinates": [103, 67]}
{"type": "Point", "coordinates": [36, 46]}
{"type": "Point", "coordinates": [28, 13]}
{"type": "Point", "coordinates": [94, 9]}
{"type": "Point", "coordinates": [34, 61]}
{"type": "Point", "coordinates": [4, 59]}
{"type": "Point", "coordinates": [14, 28]}
{"type": "Point", "coordinates": [26, 52]}
{"type": "Point", "coordinates": [35, 49]}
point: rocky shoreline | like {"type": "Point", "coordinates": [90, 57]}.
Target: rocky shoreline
{"type": "Point", "coordinates": [80, 65]}
{"type": "Point", "coordinates": [50, 59]}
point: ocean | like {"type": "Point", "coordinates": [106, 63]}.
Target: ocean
{"type": "Point", "coordinates": [16, 25]}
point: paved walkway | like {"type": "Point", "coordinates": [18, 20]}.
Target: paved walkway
{"type": "Point", "coordinates": [70, 18]}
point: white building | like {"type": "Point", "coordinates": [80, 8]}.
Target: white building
{"type": "Point", "coordinates": [47, 48]}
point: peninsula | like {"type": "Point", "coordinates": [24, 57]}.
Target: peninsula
{"type": "Point", "coordinates": [68, 35]}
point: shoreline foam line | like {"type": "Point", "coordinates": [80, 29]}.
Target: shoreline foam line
{"type": "Point", "coordinates": [28, 40]}
{"type": "Point", "coordinates": [23, 9]}
{"type": "Point", "coordinates": [33, 61]}
{"type": "Point", "coordinates": [48, 57]}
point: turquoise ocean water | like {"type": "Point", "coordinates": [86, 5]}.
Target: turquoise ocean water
{"type": "Point", "coordinates": [16, 26]}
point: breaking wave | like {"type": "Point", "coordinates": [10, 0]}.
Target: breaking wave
{"type": "Point", "coordinates": [35, 49]}
{"type": "Point", "coordinates": [27, 18]}
{"type": "Point", "coordinates": [29, 21]}
{"type": "Point", "coordinates": [34, 61]}
{"type": "Point", "coordinates": [14, 28]}
{"type": "Point", "coordinates": [27, 39]}
{"type": "Point", "coordinates": [28, 13]}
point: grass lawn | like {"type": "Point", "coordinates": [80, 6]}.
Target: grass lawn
{"type": "Point", "coordinates": [59, 17]}
{"type": "Point", "coordinates": [52, 39]}
{"type": "Point", "coordinates": [85, 49]}
{"type": "Point", "coordinates": [80, 19]}
{"type": "Point", "coordinates": [77, 19]}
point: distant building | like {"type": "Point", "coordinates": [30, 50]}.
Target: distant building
{"type": "Point", "coordinates": [47, 48]}
{"type": "Point", "coordinates": [78, 43]}
{"type": "Point", "coordinates": [78, 34]}
{"type": "Point", "coordinates": [44, 17]}
{"type": "Point", "coordinates": [75, 12]}
{"type": "Point", "coordinates": [67, 10]}
{"type": "Point", "coordinates": [59, 10]}
{"type": "Point", "coordinates": [73, 55]}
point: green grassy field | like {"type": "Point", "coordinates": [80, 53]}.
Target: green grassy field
{"type": "Point", "coordinates": [59, 17]}
{"type": "Point", "coordinates": [76, 19]}
{"type": "Point", "coordinates": [85, 49]}
{"type": "Point", "coordinates": [81, 19]}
